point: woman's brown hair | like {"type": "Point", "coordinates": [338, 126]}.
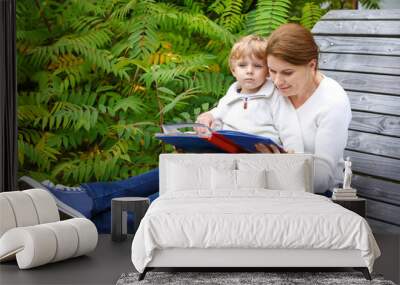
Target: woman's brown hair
{"type": "Point", "coordinates": [293, 43]}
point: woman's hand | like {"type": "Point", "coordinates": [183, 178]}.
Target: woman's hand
{"type": "Point", "coordinates": [270, 148]}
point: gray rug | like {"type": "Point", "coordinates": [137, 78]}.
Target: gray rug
{"type": "Point", "coordinates": [243, 278]}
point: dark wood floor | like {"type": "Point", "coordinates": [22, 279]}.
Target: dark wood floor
{"type": "Point", "coordinates": [110, 260]}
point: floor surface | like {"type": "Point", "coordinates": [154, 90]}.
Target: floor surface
{"type": "Point", "coordinates": [111, 259]}
{"type": "Point", "coordinates": [103, 266]}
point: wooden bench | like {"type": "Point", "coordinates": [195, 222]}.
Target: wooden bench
{"type": "Point", "coordinates": [361, 50]}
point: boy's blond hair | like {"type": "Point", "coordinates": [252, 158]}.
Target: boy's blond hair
{"type": "Point", "coordinates": [251, 45]}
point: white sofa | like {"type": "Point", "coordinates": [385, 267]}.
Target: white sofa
{"type": "Point", "coordinates": [31, 231]}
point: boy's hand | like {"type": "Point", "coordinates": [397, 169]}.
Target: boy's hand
{"type": "Point", "coordinates": [205, 119]}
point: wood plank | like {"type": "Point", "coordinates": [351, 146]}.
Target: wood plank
{"type": "Point", "coordinates": [375, 123]}
{"type": "Point", "coordinates": [376, 189]}
{"type": "Point", "coordinates": [358, 27]}
{"type": "Point", "coordinates": [370, 45]}
{"type": "Point", "coordinates": [383, 211]}
{"type": "Point", "coordinates": [383, 228]}
{"type": "Point", "coordinates": [393, 14]}
{"type": "Point", "coordinates": [374, 144]}
{"type": "Point", "coordinates": [367, 63]}
{"type": "Point", "coordinates": [385, 104]}
{"type": "Point", "coordinates": [374, 165]}
{"type": "Point", "coordinates": [387, 84]}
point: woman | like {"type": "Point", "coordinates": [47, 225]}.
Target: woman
{"type": "Point", "coordinates": [322, 106]}
{"type": "Point", "coordinates": [320, 103]}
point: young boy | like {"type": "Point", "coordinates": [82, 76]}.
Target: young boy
{"type": "Point", "coordinates": [249, 104]}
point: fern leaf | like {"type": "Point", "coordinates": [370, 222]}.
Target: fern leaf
{"type": "Point", "coordinates": [40, 153]}
{"type": "Point", "coordinates": [36, 36]}
{"type": "Point", "coordinates": [218, 7]}
{"type": "Point", "coordinates": [128, 130]}
{"type": "Point", "coordinates": [311, 15]}
{"type": "Point", "coordinates": [131, 103]}
{"type": "Point", "coordinates": [86, 23]}
{"type": "Point", "coordinates": [268, 15]}
{"type": "Point", "coordinates": [194, 6]}
{"type": "Point", "coordinates": [67, 115]}
{"type": "Point", "coordinates": [370, 4]}
{"type": "Point", "coordinates": [125, 8]}
{"type": "Point", "coordinates": [31, 112]}
{"type": "Point", "coordinates": [177, 100]}
{"type": "Point", "coordinates": [231, 17]}
{"type": "Point", "coordinates": [170, 18]}
{"type": "Point", "coordinates": [215, 84]}
{"type": "Point", "coordinates": [143, 39]}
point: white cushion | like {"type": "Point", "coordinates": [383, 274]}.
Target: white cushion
{"type": "Point", "coordinates": [7, 218]}
{"type": "Point", "coordinates": [280, 180]}
{"type": "Point", "coordinates": [31, 232]}
{"type": "Point", "coordinates": [37, 245]}
{"type": "Point", "coordinates": [223, 179]}
{"type": "Point", "coordinates": [67, 240]}
{"type": "Point", "coordinates": [283, 172]}
{"type": "Point", "coordinates": [192, 175]}
{"type": "Point", "coordinates": [23, 208]}
{"type": "Point", "coordinates": [193, 172]}
{"type": "Point", "coordinates": [45, 205]}
{"type": "Point", "coordinates": [26, 208]}
{"type": "Point", "coordinates": [32, 246]}
{"type": "Point", "coordinates": [188, 177]}
{"type": "Point", "coordinates": [251, 178]}
{"type": "Point", "coordinates": [87, 235]}
{"type": "Point", "coordinates": [231, 180]}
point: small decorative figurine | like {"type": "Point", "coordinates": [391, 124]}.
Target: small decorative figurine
{"type": "Point", "coordinates": [347, 174]}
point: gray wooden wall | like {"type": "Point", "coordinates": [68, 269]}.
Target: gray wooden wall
{"type": "Point", "coordinates": [361, 50]}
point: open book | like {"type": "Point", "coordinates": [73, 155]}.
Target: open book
{"type": "Point", "coordinates": [210, 140]}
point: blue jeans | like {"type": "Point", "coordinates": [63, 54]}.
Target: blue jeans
{"type": "Point", "coordinates": [142, 185]}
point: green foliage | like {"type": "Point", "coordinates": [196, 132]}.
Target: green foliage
{"type": "Point", "coordinates": [96, 79]}
{"type": "Point", "coordinates": [370, 4]}
{"type": "Point", "coordinates": [229, 13]}
{"type": "Point", "coordinates": [311, 14]}
{"type": "Point", "coordinates": [269, 15]}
